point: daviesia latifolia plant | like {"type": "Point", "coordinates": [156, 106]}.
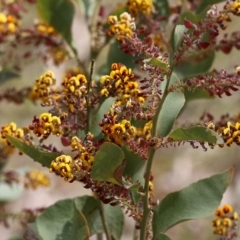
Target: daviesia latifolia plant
{"type": "Point", "coordinates": [113, 111]}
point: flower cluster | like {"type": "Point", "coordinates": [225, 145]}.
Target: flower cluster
{"type": "Point", "coordinates": [230, 133]}
{"type": "Point", "coordinates": [226, 222]}
{"type": "Point", "coordinates": [8, 24]}
{"type": "Point", "coordinates": [121, 83]}
{"type": "Point", "coordinates": [120, 131]}
{"type": "Point", "coordinates": [45, 125]}
{"type": "Point", "coordinates": [136, 7]}
{"type": "Point", "coordinates": [233, 7]}
{"type": "Point", "coordinates": [12, 130]}
{"type": "Point", "coordinates": [63, 166]}
{"type": "Point", "coordinates": [124, 27]}
{"type": "Point", "coordinates": [58, 54]}
{"type": "Point", "coordinates": [117, 132]}
{"type": "Point", "coordinates": [42, 88]}
{"type": "Point", "coordinates": [35, 178]}
{"type": "Point", "coordinates": [75, 90]}
{"type": "Point", "coordinates": [44, 29]}
{"type": "Point", "coordinates": [69, 168]}
{"type": "Point", "coordinates": [85, 151]}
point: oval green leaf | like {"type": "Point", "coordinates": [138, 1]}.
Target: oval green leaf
{"type": "Point", "coordinates": [198, 200]}
{"type": "Point", "coordinates": [194, 68]}
{"type": "Point", "coordinates": [169, 112]}
{"type": "Point", "coordinates": [115, 220]}
{"type": "Point", "coordinates": [134, 166]}
{"type": "Point", "coordinates": [157, 63]}
{"type": "Point", "coordinates": [109, 164]}
{"type": "Point", "coordinates": [89, 206]}
{"type": "Point", "coordinates": [38, 155]}
{"type": "Point", "coordinates": [197, 133]}
{"type": "Point", "coordinates": [59, 14]}
{"type": "Point", "coordinates": [97, 118]}
{"type": "Point", "coordinates": [178, 36]}
{"type": "Point", "coordinates": [62, 221]}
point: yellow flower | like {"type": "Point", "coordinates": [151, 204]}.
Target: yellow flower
{"type": "Point", "coordinates": [35, 178]}
{"type": "Point", "coordinates": [137, 7]}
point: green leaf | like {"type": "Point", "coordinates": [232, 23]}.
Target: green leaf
{"type": "Point", "coordinates": [97, 118]}
{"type": "Point", "coordinates": [59, 14]}
{"type": "Point", "coordinates": [134, 165]}
{"type": "Point", "coordinates": [7, 75]}
{"type": "Point", "coordinates": [109, 163]}
{"type": "Point", "coordinates": [197, 94]}
{"type": "Point", "coordinates": [62, 221]}
{"type": "Point", "coordinates": [136, 196]}
{"type": "Point", "coordinates": [163, 236]}
{"type": "Point", "coordinates": [89, 206]}
{"type": "Point", "coordinates": [178, 36]}
{"type": "Point", "coordinates": [191, 16]}
{"type": "Point", "coordinates": [116, 55]}
{"type": "Point", "coordinates": [162, 7]}
{"type": "Point", "coordinates": [174, 79]}
{"type": "Point", "coordinates": [198, 200]}
{"type": "Point", "coordinates": [115, 220]}
{"type": "Point", "coordinates": [31, 232]}
{"type": "Point", "coordinates": [197, 133]}
{"type": "Point", "coordinates": [169, 112]}
{"type": "Point", "coordinates": [87, 6]}
{"type": "Point", "coordinates": [194, 68]}
{"type": "Point", "coordinates": [157, 63]}
{"type": "Point", "coordinates": [44, 158]}
{"type": "Point", "coordinates": [207, 3]}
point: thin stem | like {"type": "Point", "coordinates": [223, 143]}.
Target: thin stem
{"type": "Point", "coordinates": [146, 208]}
{"type": "Point", "coordinates": [88, 97]}
{"type": "Point", "coordinates": [104, 221]}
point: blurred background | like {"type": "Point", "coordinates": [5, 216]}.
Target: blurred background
{"type": "Point", "coordinates": [174, 168]}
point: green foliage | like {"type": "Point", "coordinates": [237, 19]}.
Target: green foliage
{"type": "Point", "coordinates": [87, 6]}
{"type": "Point", "coordinates": [116, 55]}
{"type": "Point", "coordinates": [195, 68]}
{"type": "Point", "coordinates": [38, 155]}
{"type": "Point", "coordinates": [198, 200]}
{"type": "Point", "coordinates": [78, 218]}
{"type": "Point", "coordinates": [134, 165]}
{"type": "Point", "coordinates": [109, 164]}
{"type": "Point", "coordinates": [89, 206]}
{"type": "Point", "coordinates": [78, 108]}
{"type": "Point", "coordinates": [162, 7]}
{"type": "Point", "coordinates": [97, 117]}
{"type": "Point", "coordinates": [197, 133]}
{"type": "Point", "coordinates": [70, 224]}
{"type": "Point", "coordinates": [115, 220]}
{"type": "Point", "coordinates": [169, 112]}
{"type": "Point", "coordinates": [163, 236]}
{"type": "Point", "coordinates": [6, 75]}
{"type": "Point", "coordinates": [178, 36]}
{"type": "Point", "coordinates": [157, 63]}
{"type": "Point", "coordinates": [62, 21]}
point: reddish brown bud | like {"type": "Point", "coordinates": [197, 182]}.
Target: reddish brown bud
{"type": "Point", "coordinates": [189, 25]}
